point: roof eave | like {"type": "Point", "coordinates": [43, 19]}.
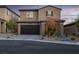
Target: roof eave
{"type": "Point", "coordinates": [28, 10]}
{"type": "Point", "coordinates": [50, 6]}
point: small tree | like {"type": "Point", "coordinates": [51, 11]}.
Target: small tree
{"type": "Point", "coordinates": [12, 26]}
{"type": "Point", "coordinates": [77, 22]}
{"type": "Point", "coordinates": [50, 31]}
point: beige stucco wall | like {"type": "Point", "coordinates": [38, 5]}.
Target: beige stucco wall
{"type": "Point", "coordinates": [0, 26]}
{"type": "Point", "coordinates": [4, 15]}
{"type": "Point", "coordinates": [3, 27]}
{"type": "Point", "coordinates": [42, 28]}
{"type": "Point", "coordinates": [10, 15]}
{"type": "Point", "coordinates": [42, 13]}
{"type": "Point", "coordinates": [23, 16]}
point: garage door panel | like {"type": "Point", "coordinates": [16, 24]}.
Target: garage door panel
{"type": "Point", "coordinates": [30, 29]}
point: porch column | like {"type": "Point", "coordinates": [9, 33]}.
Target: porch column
{"type": "Point", "coordinates": [3, 27]}
{"type": "Point", "coordinates": [62, 29]}
{"type": "Point", "coordinates": [19, 29]}
{"type": "Point", "coordinates": [0, 26]}
{"type": "Point", "coordinates": [42, 29]}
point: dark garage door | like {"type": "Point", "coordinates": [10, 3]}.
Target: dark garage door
{"type": "Point", "coordinates": [30, 29]}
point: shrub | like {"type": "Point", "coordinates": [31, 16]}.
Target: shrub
{"type": "Point", "coordinates": [57, 33]}
{"type": "Point", "coordinates": [50, 31]}
{"type": "Point", "coordinates": [72, 38]}
{"type": "Point", "coordinates": [12, 26]}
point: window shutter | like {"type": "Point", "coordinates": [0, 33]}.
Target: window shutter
{"type": "Point", "coordinates": [51, 13]}
{"type": "Point", "coordinates": [46, 13]}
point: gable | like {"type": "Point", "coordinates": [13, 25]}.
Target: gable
{"type": "Point", "coordinates": [49, 6]}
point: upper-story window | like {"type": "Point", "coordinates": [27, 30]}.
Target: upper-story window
{"type": "Point", "coordinates": [8, 13]}
{"type": "Point", "coordinates": [29, 14]}
{"type": "Point", "coordinates": [49, 13]}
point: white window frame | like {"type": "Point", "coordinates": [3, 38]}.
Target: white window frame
{"type": "Point", "coordinates": [8, 12]}
{"type": "Point", "coordinates": [30, 14]}
{"type": "Point", "coordinates": [49, 13]}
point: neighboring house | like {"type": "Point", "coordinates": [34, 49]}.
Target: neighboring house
{"type": "Point", "coordinates": [6, 14]}
{"type": "Point", "coordinates": [70, 29]}
{"type": "Point", "coordinates": [33, 21]}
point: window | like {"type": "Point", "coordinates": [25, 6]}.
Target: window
{"type": "Point", "coordinates": [8, 13]}
{"type": "Point", "coordinates": [49, 13]}
{"type": "Point", "coordinates": [30, 14]}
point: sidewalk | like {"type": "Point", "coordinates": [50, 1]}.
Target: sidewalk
{"type": "Point", "coordinates": [53, 41]}
{"type": "Point", "coordinates": [59, 42]}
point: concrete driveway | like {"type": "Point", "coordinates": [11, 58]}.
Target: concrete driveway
{"type": "Point", "coordinates": [19, 37]}
{"type": "Point", "coordinates": [25, 37]}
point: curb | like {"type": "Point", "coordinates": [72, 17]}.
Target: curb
{"type": "Point", "coordinates": [59, 42]}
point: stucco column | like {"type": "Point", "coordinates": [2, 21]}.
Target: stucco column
{"type": "Point", "coordinates": [3, 26]}
{"type": "Point", "coordinates": [19, 28]}
{"type": "Point", "coordinates": [62, 29]}
{"type": "Point", "coordinates": [42, 28]}
{"type": "Point", "coordinates": [0, 26]}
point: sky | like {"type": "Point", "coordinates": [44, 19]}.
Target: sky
{"type": "Point", "coordinates": [68, 13]}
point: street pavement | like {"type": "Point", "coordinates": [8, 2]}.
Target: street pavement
{"type": "Point", "coordinates": [36, 47]}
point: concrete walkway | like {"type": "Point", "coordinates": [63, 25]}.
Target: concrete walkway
{"type": "Point", "coordinates": [25, 37]}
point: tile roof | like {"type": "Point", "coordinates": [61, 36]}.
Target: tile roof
{"type": "Point", "coordinates": [36, 9]}
{"type": "Point", "coordinates": [69, 24]}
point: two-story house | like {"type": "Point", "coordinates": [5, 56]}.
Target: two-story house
{"type": "Point", "coordinates": [33, 21]}
{"type": "Point", "coordinates": [6, 14]}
